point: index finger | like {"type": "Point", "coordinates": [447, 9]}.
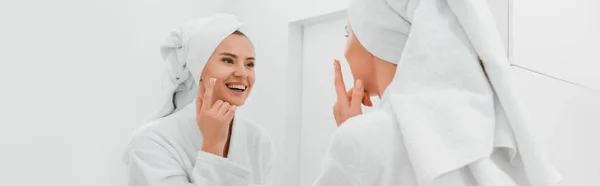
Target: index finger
{"type": "Point", "coordinates": [340, 88]}
{"type": "Point", "coordinates": [208, 93]}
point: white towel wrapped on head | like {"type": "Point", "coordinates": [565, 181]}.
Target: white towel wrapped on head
{"type": "Point", "coordinates": [186, 51]}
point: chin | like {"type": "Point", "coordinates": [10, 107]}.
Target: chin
{"type": "Point", "coordinates": [235, 101]}
{"type": "Point", "coordinates": [238, 103]}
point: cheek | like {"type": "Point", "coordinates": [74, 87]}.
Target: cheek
{"type": "Point", "coordinates": [357, 58]}
{"type": "Point", "coordinates": [210, 69]}
{"type": "Point", "coordinates": [354, 52]}
{"type": "Point", "coordinates": [346, 49]}
{"type": "Point", "coordinates": [219, 71]}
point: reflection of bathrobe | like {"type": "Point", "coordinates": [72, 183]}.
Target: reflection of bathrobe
{"type": "Point", "coordinates": [167, 153]}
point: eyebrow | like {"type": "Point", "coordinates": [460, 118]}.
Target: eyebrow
{"type": "Point", "coordinates": [235, 56]}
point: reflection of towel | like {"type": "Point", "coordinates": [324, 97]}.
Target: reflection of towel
{"type": "Point", "coordinates": [186, 51]}
{"type": "Point", "coordinates": [453, 112]}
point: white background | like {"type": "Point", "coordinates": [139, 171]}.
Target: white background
{"type": "Point", "coordinates": [77, 76]}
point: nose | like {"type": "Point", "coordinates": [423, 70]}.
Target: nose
{"type": "Point", "coordinates": [240, 71]}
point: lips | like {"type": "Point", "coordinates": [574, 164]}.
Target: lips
{"type": "Point", "coordinates": [236, 87]}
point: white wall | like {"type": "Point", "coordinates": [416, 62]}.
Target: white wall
{"type": "Point", "coordinates": [77, 77]}
{"type": "Point", "coordinates": [566, 118]}
{"type": "Point", "coordinates": [560, 38]}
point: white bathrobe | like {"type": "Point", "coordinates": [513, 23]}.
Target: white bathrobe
{"type": "Point", "coordinates": [369, 150]}
{"type": "Point", "coordinates": [167, 152]}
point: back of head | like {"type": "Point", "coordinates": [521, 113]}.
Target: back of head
{"type": "Point", "coordinates": [382, 26]}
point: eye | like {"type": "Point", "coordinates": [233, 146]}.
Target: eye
{"type": "Point", "coordinates": [346, 35]}
{"type": "Point", "coordinates": [251, 65]}
{"type": "Point", "coordinates": [227, 60]}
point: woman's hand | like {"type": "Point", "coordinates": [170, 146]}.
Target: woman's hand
{"type": "Point", "coordinates": [348, 102]}
{"type": "Point", "coordinates": [213, 120]}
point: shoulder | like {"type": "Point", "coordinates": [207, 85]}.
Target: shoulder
{"type": "Point", "coordinates": [149, 131]}
{"type": "Point", "coordinates": [365, 138]}
{"type": "Point", "coordinates": [365, 144]}
{"type": "Point", "coordinates": [152, 136]}
{"type": "Point", "coordinates": [158, 129]}
{"type": "Point", "coordinates": [169, 128]}
{"type": "Point", "coordinates": [364, 130]}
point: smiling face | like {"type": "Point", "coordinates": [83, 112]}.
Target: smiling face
{"type": "Point", "coordinates": [232, 64]}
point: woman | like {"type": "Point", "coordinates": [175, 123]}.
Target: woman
{"type": "Point", "coordinates": [203, 142]}
{"type": "Point", "coordinates": [449, 114]}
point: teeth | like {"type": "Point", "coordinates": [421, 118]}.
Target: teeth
{"type": "Point", "coordinates": [240, 87]}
